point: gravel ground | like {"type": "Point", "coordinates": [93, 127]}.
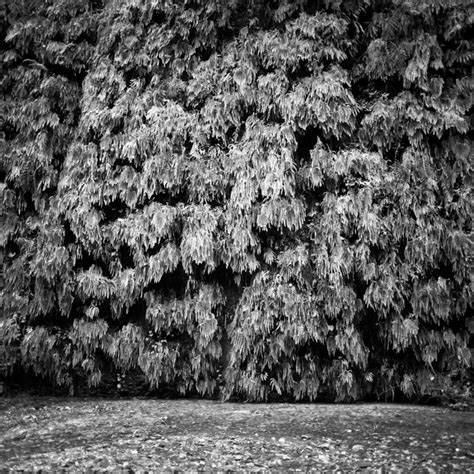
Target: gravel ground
{"type": "Point", "coordinates": [55, 434]}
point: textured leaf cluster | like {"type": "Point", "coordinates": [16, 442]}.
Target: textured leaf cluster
{"type": "Point", "coordinates": [239, 198]}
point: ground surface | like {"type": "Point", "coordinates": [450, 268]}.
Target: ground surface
{"type": "Point", "coordinates": [111, 435]}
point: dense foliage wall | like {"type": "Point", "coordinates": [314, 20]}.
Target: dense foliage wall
{"type": "Point", "coordinates": [239, 198]}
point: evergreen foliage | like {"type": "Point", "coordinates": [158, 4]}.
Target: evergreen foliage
{"type": "Point", "coordinates": [246, 198]}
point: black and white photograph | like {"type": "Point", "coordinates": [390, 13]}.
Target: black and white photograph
{"type": "Point", "coordinates": [236, 236]}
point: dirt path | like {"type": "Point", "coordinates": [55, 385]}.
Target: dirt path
{"type": "Point", "coordinates": [108, 435]}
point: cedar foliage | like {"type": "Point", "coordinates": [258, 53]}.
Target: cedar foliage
{"type": "Point", "coordinates": [238, 198]}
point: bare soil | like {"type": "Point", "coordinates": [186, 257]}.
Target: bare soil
{"type": "Point", "coordinates": [56, 434]}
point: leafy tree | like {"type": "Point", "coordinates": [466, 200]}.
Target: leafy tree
{"type": "Point", "coordinates": [257, 198]}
